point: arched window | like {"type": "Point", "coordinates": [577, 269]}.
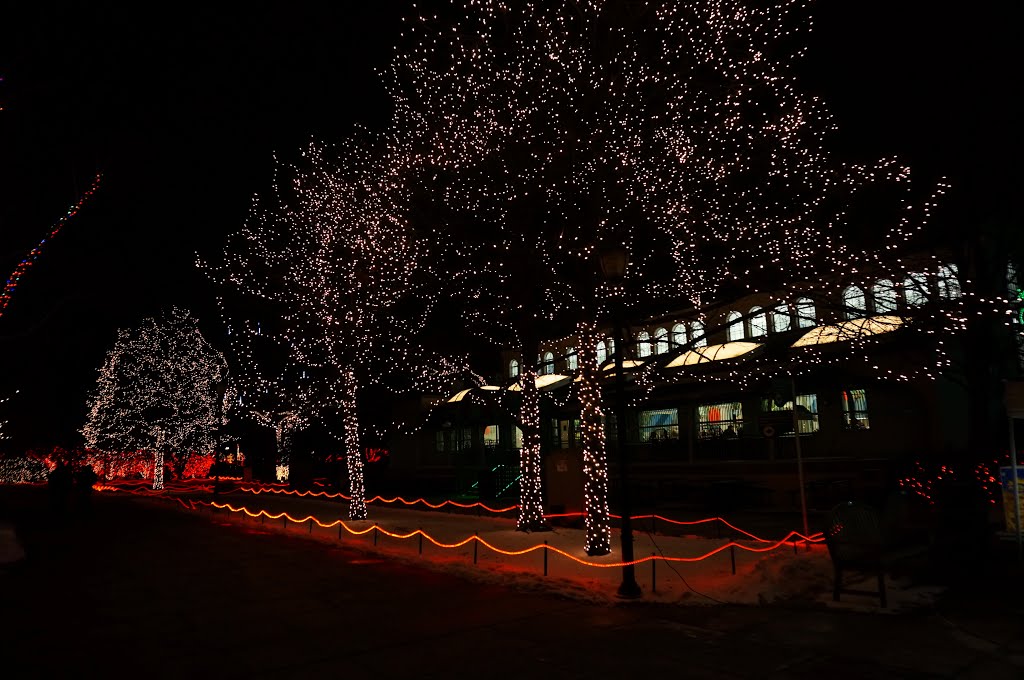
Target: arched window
{"type": "Point", "coordinates": [758, 322]}
{"type": "Point", "coordinates": [643, 344]}
{"type": "Point", "coordinates": [697, 334]}
{"type": "Point", "coordinates": [781, 321]}
{"type": "Point", "coordinates": [678, 336]}
{"type": "Point", "coordinates": [661, 341]}
{"type": "Point", "coordinates": [854, 303]}
{"type": "Point", "coordinates": [806, 316]}
{"type": "Point", "coordinates": [886, 299]}
{"type": "Point", "coordinates": [547, 364]}
{"type": "Point", "coordinates": [949, 283]}
{"type": "Point", "coordinates": [915, 289]}
{"type": "Point", "coordinates": [602, 352]}
{"type": "Point", "coordinates": [734, 326]}
{"type": "Point", "coordinates": [570, 359]}
{"type": "Point", "coordinates": [513, 369]}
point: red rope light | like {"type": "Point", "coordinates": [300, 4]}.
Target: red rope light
{"type": "Point", "coordinates": [790, 537]}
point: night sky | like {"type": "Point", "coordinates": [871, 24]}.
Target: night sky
{"type": "Point", "coordinates": [183, 106]}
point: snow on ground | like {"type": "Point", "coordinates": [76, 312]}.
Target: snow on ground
{"type": "Point", "coordinates": [803, 575]}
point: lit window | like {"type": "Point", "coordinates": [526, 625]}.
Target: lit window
{"type": "Point", "coordinates": [915, 290]}
{"type": "Point", "coordinates": [602, 352]}
{"type": "Point", "coordinates": [806, 410]}
{"type": "Point", "coordinates": [513, 369]}
{"type": "Point", "coordinates": [517, 438]}
{"type": "Point", "coordinates": [806, 316]}
{"type": "Point", "coordinates": [949, 283]}
{"type": "Point", "coordinates": [855, 410]}
{"type": "Point", "coordinates": [565, 433]}
{"type": "Point", "coordinates": [660, 425]}
{"type": "Point", "coordinates": [547, 363]}
{"type": "Point", "coordinates": [678, 336]}
{"type": "Point", "coordinates": [491, 437]}
{"type": "Point", "coordinates": [734, 326]}
{"type": "Point", "coordinates": [758, 322]}
{"type": "Point", "coordinates": [643, 344]}
{"type": "Point", "coordinates": [570, 359]}
{"type": "Point", "coordinates": [723, 420]}
{"type": "Point", "coordinates": [781, 321]}
{"type": "Point", "coordinates": [697, 334]}
{"type": "Point", "coordinates": [885, 295]}
{"type": "Point", "coordinates": [661, 341]}
{"type": "Point", "coordinates": [854, 303]}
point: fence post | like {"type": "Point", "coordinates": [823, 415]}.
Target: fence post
{"type": "Point", "coordinates": [375, 534]}
{"type": "Point", "coordinates": [475, 544]}
{"type": "Point", "coordinates": [654, 573]}
{"type": "Point", "coordinates": [284, 522]}
{"type": "Point", "coordinates": [421, 541]}
{"type": "Point", "coordinates": [732, 558]}
{"type": "Point", "coordinates": [545, 558]}
{"type": "Point", "coordinates": [340, 525]}
{"type": "Point", "coordinates": [794, 545]}
{"type": "Point", "coordinates": [262, 517]}
{"type": "Point", "coordinates": [311, 525]}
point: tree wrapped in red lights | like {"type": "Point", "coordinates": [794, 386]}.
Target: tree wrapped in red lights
{"type": "Point", "coordinates": [334, 261]}
{"type": "Point", "coordinates": [160, 389]}
{"type": "Point", "coordinates": [674, 129]}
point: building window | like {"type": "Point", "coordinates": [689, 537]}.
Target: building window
{"type": "Point", "coordinates": [602, 352]}
{"type": "Point", "coordinates": [697, 334]}
{"type": "Point", "coordinates": [643, 344]}
{"type": "Point", "coordinates": [723, 420]}
{"type": "Point", "coordinates": [781, 321]}
{"type": "Point", "coordinates": [570, 359]}
{"type": "Point", "coordinates": [734, 326]}
{"type": "Point", "coordinates": [660, 425]}
{"type": "Point", "coordinates": [855, 305]}
{"type": "Point", "coordinates": [949, 283]}
{"type": "Point", "coordinates": [678, 336]}
{"type": "Point", "coordinates": [758, 322]}
{"type": "Point", "coordinates": [547, 363]}
{"type": "Point", "coordinates": [517, 438]}
{"type": "Point", "coordinates": [885, 295]}
{"type": "Point", "coordinates": [513, 369]}
{"type": "Point", "coordinates": [806, 316]}
{"type": "Point", "coordinates": [491, 437]}
{"type": "Point", "coordinates": [855, 410]}
{"type": "Point", "coordinates": [454, 439]}
{"type": "Point", "coordinates": [565, 433]}
{"type": "Point", "coordinates": [661, 341]}
{"type": "Point", "coordinates": [915, 290]}
{"type": "Point", "coordinates": [806, 411]}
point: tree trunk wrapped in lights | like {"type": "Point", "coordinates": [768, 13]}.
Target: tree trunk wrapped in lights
{"type": "Point", "coordinates": [353, 454]}
{"type": "Point", "coordinates": [598, 540]}
{"type": "Point", "coordinates": [531, 498]}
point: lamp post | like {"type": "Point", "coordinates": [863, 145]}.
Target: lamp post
{"type": "Point", "coordinates": [613, 266]}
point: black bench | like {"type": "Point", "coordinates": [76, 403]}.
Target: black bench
{"type": "Point", "coordinates": [858, 540]}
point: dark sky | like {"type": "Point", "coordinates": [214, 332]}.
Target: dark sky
{"type": "Point", "coordinates": [183, 105]}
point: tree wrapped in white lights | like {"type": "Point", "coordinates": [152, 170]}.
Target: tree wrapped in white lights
{"type": "Point", "coordinates": [674, 129]}
{"type": "Point", "coordinates": [160, 389]}
{"type": "Point", "coordinates": [333, 256]}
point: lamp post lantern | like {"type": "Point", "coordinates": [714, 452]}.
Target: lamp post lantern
{"type": "Point", "coordinates": [613, 266]}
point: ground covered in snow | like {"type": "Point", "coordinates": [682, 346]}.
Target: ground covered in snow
{"type": "Point", "coordinates": [702, 564]}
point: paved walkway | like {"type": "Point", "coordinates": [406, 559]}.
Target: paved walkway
{"type": "Point", "coordinates": [136, 588]}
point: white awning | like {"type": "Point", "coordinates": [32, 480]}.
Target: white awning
{"type": "Point", "coordinates": [850, 330]}
{"type": "Point", "coordinates": [542, 381]}
{"type": "Point", "coordinates": [728, 350]}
